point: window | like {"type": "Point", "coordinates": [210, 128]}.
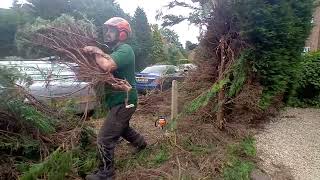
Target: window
{"type": "Point", "coordinates": [171, 70]}
{"type": "Point", "coordinates": [306, 49]}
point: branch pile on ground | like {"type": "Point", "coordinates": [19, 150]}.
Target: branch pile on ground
{"type": "Point", "coordinates": [155, 103]}
{"type": "Point", "coordinates": [30, 131]}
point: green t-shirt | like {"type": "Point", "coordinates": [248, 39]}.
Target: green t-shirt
{"type": "Point", "coordinates": [124, 57]}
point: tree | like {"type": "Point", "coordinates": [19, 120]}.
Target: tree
{"type": "Point", "coordinates": [16, 4]}
{"type": "Point", "coordinates": [14, 18]}
{"type": "Point", "coordinates": [97, 10]}
{"type": "Point", "coordinates": [142, 39]}
{"type": "Point", "coordinates": [171, 37]}
{"type": "Point", "coordinates": [190, 46]}
{"type": "Point", "coordinates": [8, 27]}
{"type": "Point", "coordinates": [248, 45]}
{"type": "Point", "coordinates": [173, 46]}
{"type": "Point", "coordinates": [158, 54]}
{"type": "Point", "coordinates": [278, 31]}
{"type": "Point", "coordinates": [201, 12]}
{"type": "Point", "coordinates": [47, 9]}
{"type": "Point", "coordinates": [10, 20]}
{"type": "Point", "coordinates": [174, 55]}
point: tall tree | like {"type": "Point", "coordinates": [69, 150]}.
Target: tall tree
{"type": "Point", "coordinates": [158, 54]}
{"type": "Point", "coordinates": [10, 20]}
{"type": "Point", "coordinates": [8, 28]}
{"type": "Point", "coordinates": [171, 37]}
{"type": "Point", "coordinates": [174, 55]}
{"type": "Point", "coordinates": [97, 10]}
{"type": "Point", "coordinates": [172, 41]}
{"type": "Point", "coordinates": [259, 44]}
{"type": "Point", "coordinates": [143, 39]}
{"type": "Point", "coordinates": [15, 4]}
{"type": "Point", "coordinates": [47, 9]}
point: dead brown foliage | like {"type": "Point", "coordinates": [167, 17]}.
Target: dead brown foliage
{"type": "Point", "coordinates": [67, 41]}
{"type": "Point", "coordinates": [155, 103]}
{"type": "Point", "coordinates": [217, 53]}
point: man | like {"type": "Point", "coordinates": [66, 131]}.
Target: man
{"type": "Point", "coordinates": [122, 64]}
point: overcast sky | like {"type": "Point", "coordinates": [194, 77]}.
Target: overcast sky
{"type": "Point", "coordinates": [184, 30]}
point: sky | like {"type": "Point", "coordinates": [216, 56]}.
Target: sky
{"type": "Point", "coordinates": [184, 30]}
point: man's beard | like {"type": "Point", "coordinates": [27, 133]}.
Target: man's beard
{"type": "Point", "coordinates": [111, 44]}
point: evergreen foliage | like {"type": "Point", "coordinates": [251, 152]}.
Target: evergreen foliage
{"type": "Point", "coordinates": [142, 42]}
{"type": "Point", "coordinates": [157, 51]}
{"type": "Point", "coordinates": [306, 89]}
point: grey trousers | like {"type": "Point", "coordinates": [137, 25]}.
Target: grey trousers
{"type": "Point", "coordinates": [115, 126]}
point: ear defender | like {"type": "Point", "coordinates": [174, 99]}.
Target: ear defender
{"type": "Point", "coordinates": [123, 36]}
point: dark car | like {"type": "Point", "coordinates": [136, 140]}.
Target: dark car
{"type": "Point", "coordinates": [157, 77]}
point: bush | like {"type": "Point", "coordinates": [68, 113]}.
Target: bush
{"type": "Point", "coordinates": [57, 165]}
{"type": "Point", "coordinates": [306, 90]}
{"type": "Point", "coordinates": [249, 43]}
{"type": "Point", "coordinates": [277, 30]}
{"type": "Point", "coordinates": [27, 131]}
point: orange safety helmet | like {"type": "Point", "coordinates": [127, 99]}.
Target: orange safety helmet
{"type": "Point", "coordinates": [121, 25]}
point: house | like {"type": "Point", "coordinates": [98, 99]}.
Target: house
{"type": "Point", "coordinates": [313, 42]}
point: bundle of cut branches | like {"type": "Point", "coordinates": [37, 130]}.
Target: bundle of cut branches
{"type": "Point", "coordinates": [66, 37]}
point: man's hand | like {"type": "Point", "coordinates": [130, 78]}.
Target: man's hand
{"type": "Point", "coordinates": [124, 86]}
{"type": "Point", "coordinates": [93, 50]}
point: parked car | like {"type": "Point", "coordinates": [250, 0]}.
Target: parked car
{"type": "Point", "coordinates": [63, 85]}
{"type": "Point", "coordinates": [157, 77]}
{"type": "Point", "coordinates": [185, 68]}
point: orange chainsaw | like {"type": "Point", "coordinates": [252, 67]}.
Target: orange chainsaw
{"type": "Point", "coordinates": [161, 122]}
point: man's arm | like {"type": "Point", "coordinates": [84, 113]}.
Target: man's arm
{"type": "Point", "coordinates": [105, 61]}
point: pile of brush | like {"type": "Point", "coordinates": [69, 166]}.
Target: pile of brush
{"type": "Point", "coordinates": [30, 131]}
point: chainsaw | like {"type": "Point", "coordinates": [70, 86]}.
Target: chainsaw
{"type": "Point", "coordinates": [161, 122]}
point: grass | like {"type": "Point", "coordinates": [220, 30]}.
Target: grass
{"type": "Point", "coordinates": [161, 156]}
{"type": "Point", "coordinates": [239, 166]}
{"type": "Point", "coordinates": [248, 146]}
{"type": "Point", "coordinates": [238, 170]}
{"type": "Point", "coordinates": [197, 149]}
{"type": "Point", "coordinates": [148, 158]}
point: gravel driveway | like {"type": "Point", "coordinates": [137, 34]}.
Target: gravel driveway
{"type": "Point", "coordinates": [292, 142]}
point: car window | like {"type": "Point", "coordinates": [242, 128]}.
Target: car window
{"type": "Point", "coordinates": [171, 70]}
{"type": "Point", "coordinates": [155, 69]}
{"type": "Point", "coordinates": [186, 67]}
{"type": "Point", "coordinates": [40, 70]}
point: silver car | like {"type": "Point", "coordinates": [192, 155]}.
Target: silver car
{"type": "Point", "coordinates": [54, 82]}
